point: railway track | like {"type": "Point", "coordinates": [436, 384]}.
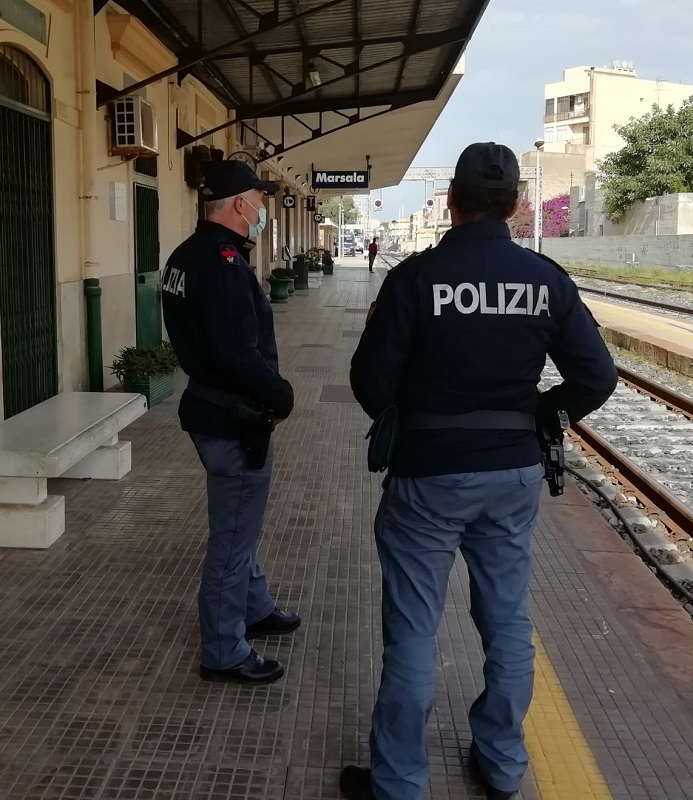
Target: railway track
{"type": "Point", "coordinates": [672, 508]}
{"type": "Point", "coordinates": [622, 279]}
{"type": "Point", "coordinates": [665, 543]}
{"type": "Point", "coordinates": [641, 301]}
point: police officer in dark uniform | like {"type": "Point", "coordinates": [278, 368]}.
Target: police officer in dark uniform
{"type": "Point", "coordinates": [457, 343]}
{"type": "Point", "coordinates": [221, 328]}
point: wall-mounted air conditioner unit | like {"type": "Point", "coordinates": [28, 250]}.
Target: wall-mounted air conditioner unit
{"type": "Point", "coordinates": [134, 128]}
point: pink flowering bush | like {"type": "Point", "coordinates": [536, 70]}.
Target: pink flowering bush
{"type": "Point", "coordinates": [556, 218]}
{"type": "Point", "coordinates": [522, 224]}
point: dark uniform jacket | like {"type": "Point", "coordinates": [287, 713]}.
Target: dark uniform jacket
{"type": "Point", "coordinates": [221, 327]}
{"type": "Point", "coordinates": [467, 326]}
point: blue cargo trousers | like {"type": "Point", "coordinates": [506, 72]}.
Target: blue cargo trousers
{"type": "Point", "coordinates": [420, 526]}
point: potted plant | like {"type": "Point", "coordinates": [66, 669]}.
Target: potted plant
{"type": "Point", "coordinates": [314, 260]}
{"type": "Point", "coordinates": [147, 370]}
{"type": "Point", "coordinates": [279, 287]}
{"type": "Point", "coordinates": [327, 263]}
{"type": "Point", "coordinates": [280, 272]}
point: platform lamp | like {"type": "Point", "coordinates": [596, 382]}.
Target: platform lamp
{"type": "Point", "coordinates": [537, 198]}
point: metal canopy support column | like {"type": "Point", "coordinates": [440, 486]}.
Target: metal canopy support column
{"type": "Point", "coordinates": [279, 222]}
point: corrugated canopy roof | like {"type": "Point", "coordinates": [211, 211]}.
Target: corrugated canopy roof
{"type": "Point", "coordinates": [300, 71]}
{"type": "Point", "coordinates": [258, 56]}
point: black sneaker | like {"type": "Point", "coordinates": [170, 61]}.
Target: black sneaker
{"type": "Point", "coordinates": [276, 624]}
{"type": "Point", "coordinates": [255, 670]}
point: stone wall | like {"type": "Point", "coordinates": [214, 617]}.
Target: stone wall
{"type": "Point", "coordinates": [649, 251]}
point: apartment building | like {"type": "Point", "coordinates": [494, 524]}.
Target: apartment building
{"type": "Point", "coordinates": [582, 109]}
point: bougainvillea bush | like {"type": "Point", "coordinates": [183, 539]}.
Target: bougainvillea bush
{"type": "Point", "coordinates": [556, 218]}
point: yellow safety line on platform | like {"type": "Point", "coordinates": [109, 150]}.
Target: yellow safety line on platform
{"type": "Point", "coordinates": [562, 762]}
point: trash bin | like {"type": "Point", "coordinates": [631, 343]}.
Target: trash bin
{"type": "Point", "coordinates": [301, 269]}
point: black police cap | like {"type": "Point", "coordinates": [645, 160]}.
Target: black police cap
{"type": "Point", "coordinates": [222, 179]}
{"type": "Point", "coordinates": [486, 165]}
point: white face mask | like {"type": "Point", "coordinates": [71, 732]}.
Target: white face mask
{"type": "Point", "coordinates": [256, 228]}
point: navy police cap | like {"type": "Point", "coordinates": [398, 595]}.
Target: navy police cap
{"type": "Point", "coordinates": [487, 165]}
{"type": "Point", "coordinates": [222, 179]}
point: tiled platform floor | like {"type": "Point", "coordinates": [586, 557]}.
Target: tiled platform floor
{"type": "Point", "coordinates": [99, 694]}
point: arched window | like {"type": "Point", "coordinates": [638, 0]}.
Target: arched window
{"type": "Point", "coordinates": [22, 81]}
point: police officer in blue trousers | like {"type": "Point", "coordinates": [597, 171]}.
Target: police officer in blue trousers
{"type": "Point", "coordinates": [455, 349]}
{"type": "Point", "coordinates": [221, 328]}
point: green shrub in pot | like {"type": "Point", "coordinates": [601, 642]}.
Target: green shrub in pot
{"type": "Point", "coordinates": [147, 370]}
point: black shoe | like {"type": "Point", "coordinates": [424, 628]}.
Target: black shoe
{"type": "Point", "coordinates": [491, 792]}
{"type": "Point", "coordinates": [355, 783]}
{"type": "Point", "coordinates": [277, 623]}
{"type": "Point", "coordinates": [255, 670]}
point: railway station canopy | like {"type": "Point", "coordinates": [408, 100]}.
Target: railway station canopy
{"type": "Point", "coordinates": [320, 84]}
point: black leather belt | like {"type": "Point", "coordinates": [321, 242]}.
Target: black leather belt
{"type": "Point", "coordinates": [243, 409]}
{"type": "Point", "coordinates": [474, 420]}
{"type": "Point", "coordinates": [217, 397]}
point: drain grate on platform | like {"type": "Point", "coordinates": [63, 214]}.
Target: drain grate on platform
{"type": "Point", "coordinates": [337, 394]}
{"type": "Point", "coordinates": [312, 370]}
{"type": "Point", "coordinates": [355, 310]}
{"type": "Point", "coordinates": [326, 346]}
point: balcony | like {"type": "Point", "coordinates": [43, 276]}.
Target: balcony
{"type": "Point", "coordinates": [581, 113]}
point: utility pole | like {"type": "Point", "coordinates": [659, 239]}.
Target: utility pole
{"type": "Point", "coordinates": [537, 199]}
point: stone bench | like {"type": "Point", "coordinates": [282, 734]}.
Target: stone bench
{"type": "Point", "coordinates": [72, 435]}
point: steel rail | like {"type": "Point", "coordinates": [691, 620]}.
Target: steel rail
{"type": "Point", "coordinates": [641, 301]}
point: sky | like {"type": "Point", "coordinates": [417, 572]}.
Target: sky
{"type": "Point", "coordinates": [520, 45]}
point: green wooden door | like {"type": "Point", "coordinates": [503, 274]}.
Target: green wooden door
{"type": "Point", "coordinates": [27, 249]}
{"type": "Point", "coordinates": [147, 275]}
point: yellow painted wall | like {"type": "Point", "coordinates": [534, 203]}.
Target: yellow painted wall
{"type": "Point", "coordinates": [120, 60]}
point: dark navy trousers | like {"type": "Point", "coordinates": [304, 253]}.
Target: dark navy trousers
{"type": "Point", "coordinates": [234, 591]}
{"type": "Point", "coordinates": [420, 526]}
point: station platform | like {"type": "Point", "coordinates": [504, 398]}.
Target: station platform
{"type": "Point", "coordinates": [665, 339]}
{"type": "Point", "coordinates": [100, 697]}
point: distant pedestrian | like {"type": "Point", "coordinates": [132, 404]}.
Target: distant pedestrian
{"type": "Point", "coordinates": [372, 253]}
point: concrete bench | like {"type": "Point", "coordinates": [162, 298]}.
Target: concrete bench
{"type": "Point", "coordinates": [72, 435]}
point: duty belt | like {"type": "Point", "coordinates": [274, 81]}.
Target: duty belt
{"type": "Point", "coordinates": [217, 397]}
{"type": "Point", "coordinates": [473, 420]}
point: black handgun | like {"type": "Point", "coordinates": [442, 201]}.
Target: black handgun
{"type": "Point", "coordinates": [256, 432]}
{"type": "Point", "coordinates": [553, 454]}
